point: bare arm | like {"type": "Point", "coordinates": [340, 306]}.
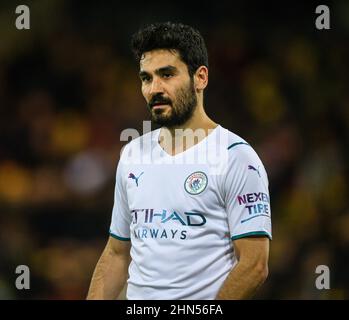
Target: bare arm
{"type": "Point", "coordinates": [111, 271]}
{"type": "Point", "coordinates": [251, 270]}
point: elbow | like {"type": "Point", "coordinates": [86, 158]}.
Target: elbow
{"type": "Point", "coordinates": [262, 272]}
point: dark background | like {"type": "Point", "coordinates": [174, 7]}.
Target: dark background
{"type": "Point", "coordinates": [69, 86]}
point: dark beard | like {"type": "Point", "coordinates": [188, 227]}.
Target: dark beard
{"type": "Point", "coordinates": [181, 110]}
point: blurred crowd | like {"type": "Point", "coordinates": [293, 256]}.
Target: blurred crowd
{"type": "Point", "coordinates": [69, 86]}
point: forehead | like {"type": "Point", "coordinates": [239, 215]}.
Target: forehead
{"type": "Point", "coordinates": [155, 59]}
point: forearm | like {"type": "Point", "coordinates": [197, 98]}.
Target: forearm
{"type": "Point", "coordinates": [109, 276]}
{"type": "Point", "coordinates": [242, 282]}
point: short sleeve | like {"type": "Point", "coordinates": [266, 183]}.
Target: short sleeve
{"type": "Point", "coordinates": [121, 218]}
{"type": "Point", "coordinates": [246, 192]}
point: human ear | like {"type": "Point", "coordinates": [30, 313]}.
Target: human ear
{"type": "Point", "coordinates": [201, 78]}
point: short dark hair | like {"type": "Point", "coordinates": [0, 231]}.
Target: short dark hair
{"type": "Point", "coordinates": [172, 36]}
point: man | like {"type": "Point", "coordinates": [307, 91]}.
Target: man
{"type": "Point", "coordinates": [184, 229]}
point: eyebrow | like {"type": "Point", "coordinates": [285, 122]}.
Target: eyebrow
{"type": "Point", "coordinates": [161, 70]}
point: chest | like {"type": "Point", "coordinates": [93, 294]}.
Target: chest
{"type": "Point", "coordinates": [176, 188]}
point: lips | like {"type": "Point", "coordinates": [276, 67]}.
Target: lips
{"type": "Point", "coordinates": [159, 102]}
{"type": "Point", "coordinates": [160, 106]}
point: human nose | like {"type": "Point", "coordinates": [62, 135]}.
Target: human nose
{"type": "Point", "coordinates": [156, 86]}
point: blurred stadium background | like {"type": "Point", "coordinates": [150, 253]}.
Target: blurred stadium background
{"type": "Point", "coordinates": [69, 86]}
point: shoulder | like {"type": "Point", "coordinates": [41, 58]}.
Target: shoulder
{"type": "Point", "coordinates": [139, 147]}
{"type": "Point", "coordinates": [242, 158]}
{"type": "Point", "coordinates": [237, 148]}
{"type": "Point", "coordinates": [243, 167]}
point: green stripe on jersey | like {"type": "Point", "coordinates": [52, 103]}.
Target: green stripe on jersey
{"type": "Point", "coordinates": [236, 144]}
{"type": "Point", "coordinates": [251, 234]}
{"type": "Point", "coordinates": [119, 238]}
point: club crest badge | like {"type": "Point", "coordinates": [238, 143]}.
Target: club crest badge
{"type": "Point", "coordinates": [196, 183]}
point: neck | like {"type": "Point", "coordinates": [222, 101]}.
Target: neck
{"type": "Point", "coordinates": [175, 139]}
{"type": "Point", "coordinates": [199, 120]}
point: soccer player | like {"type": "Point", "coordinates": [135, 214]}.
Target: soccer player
{"type": "Point", "coordinates": [191, 216]}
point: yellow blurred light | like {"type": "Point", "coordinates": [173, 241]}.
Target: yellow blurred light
{"type": "Point", "coordinates": [70, 134]}
{"type": "Point", "coordinates": [15, 182]}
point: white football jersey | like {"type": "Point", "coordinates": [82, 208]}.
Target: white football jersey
{"type": "Point", "coordinates": [182, 212]}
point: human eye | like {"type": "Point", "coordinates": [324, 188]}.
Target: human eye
{"type": "Point", "coordinates": [145, 78]}
{"type": "Point", "coordinates": [167, 75]}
